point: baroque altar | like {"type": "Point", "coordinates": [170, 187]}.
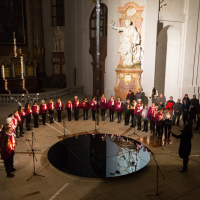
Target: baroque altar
{"type": "Point", "coordinates": [129, 70]}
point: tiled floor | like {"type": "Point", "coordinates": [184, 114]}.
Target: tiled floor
{"type": "Point", "coordinates": [53, 186]}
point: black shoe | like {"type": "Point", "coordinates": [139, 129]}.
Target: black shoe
{"type": "Point", "coordinates": [21, 135]}
{"type": "Point", "coordinates": [44, 124]}
{"type": "Point", "coordinates": [143, 130]}
{"type": "Point", "coordinates": [17, 136]}
{"type": "Point", "coordinates": [13, 169]}
{"type": "Point", "coordinates": [10, 175]}
{"type": "Point", "coordinates": [131, 126]}
{"type": "Point", "coordinates": [138, 128]}
{"type": "Point", "coordinates": [23, 132]}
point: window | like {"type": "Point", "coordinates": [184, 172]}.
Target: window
{"type": "Point", "coordinates": [58, 12]}
{"type": "Point", "coordinates": [103, 22]}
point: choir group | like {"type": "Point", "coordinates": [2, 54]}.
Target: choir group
{"type": "Point", "coordinates": [160, 116]}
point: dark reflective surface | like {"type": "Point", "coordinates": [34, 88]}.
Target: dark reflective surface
{"type": "Point", "coordinates": [99, 156]}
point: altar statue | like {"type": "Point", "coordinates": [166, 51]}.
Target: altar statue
{"type": "Point", "coordinates": [128, 41]}
{"type": "Point", "coordinates": [58, 40]}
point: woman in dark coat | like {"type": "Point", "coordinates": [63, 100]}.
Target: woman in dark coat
{"type": "Point", "coordinates": [185, 145]}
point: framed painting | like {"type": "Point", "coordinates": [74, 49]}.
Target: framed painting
{"type": "Point", "coordinates": [12, 19]}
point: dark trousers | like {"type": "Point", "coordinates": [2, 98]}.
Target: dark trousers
{"type": "Point", "coordinates": [176, 116]}
{"type": "Point", "coordinates": [51, 116]}
{"type": "Point", "coordinates": [168, 127]}
{"type": "Point", "coordinates": [59, 115]}
{"type": "Point", "coordinates": [139, 117]}
{"type": "Point", "coordinates": [111, 114]}
{"type": "Point", "coordinates": [185, 162]}
{"type": "Point", "coordinates": [69, 115]}
{"type": "Point", "coordinates": [76, 113]}
{"type": "Point", "coordinates": [119, 115]}
{"type": "Point", "coordinates": [35, 121]}
{"type": "Point", "coordinates": [93, 115]}
{"type": "Point", "coordinates": [85, 114]}
{"type": "Point", "coordinates": [127, 118]}
{"type": "Point", "coordinates": [103, 113]}
{"type": "Point", "coordinates": [133, 120]}
{"type": "Point", "coordinates": [190, 123]}
{"type": "Point", "coordinates": [28, 121]}
{"type": "Point", "coordinates": [146, 125]}
{"type": "Point", "coordinates": [20, 127]}
{"type": "Point", "coordinates": [152, 125]}
{"type": "Point", "coordinates": [198, 124]}
{"type": "Point", "coordinates": [8, 163]}
{"type": "Point", "coordinates": [44, 118]}
{"type": "Point", "coordinates": [160, 131]}
{"type": "Point", "coordinates": [185, 119]}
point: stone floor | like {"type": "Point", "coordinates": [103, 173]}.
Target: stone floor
{"type": "Point", "coordinates": [59, 186]}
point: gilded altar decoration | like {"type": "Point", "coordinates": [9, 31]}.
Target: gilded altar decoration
{"type": "Point", "coordinates": [30, 71]}
{"type": "Point", "coordinates": [38, 51]}
{"type": "Point", "coordinates": [6, 71]}
{"type": "Point", "coordinates": [18, 69]}
{"type": "Point", "coordinates": [3, 61]}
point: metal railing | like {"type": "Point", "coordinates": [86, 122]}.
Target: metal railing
{"type": "Point", "coordinates": [30, 98]}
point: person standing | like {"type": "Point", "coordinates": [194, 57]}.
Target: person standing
{"type": "Point", "coordinates": [28, 112]}
{"type": "Point", "coordinates": [130, 96]}
{"type": "Point", "coordinates": [119, 108]}
{"type": "Point", "coordinates": [85, 106]}
{"type": "Point", "coordinates": [186, 107]}
{"type": "Point", "coordinates": [103, 105]}
{"type": "Point", "coordinates": [170, 104]}
{"type": "Point", "coordinates": [76, 106]}
{"type": "Point", "coordinates": [132, 111]}
{"type": "Point", "coordinates": [168, 116]}
{"type": "Point", "coordinates": [186, 98]}
{"type": "Point", "coordinates": [69, 108]}
{"type": "Point", "coordinates": [93, 106]}
{"type": "Point", "coordinates": [111, 107]}
{"type": "Point", "coordinates": [195, 102]}
{"type": "Point", "coordinates": [59, 108]}
{"type": "Point", "coordinates": [43, 111]}
{"type": "Point", "coordinates": [192, 115]}
{"type": "Point", "coordinates": [50, 107]}
{"type": "Point", "coordinates": [150, 115]}
{"type": "Point", "coordinates": [8, 143]}
{"type": "Point", "coordinates": [178, 108]}
{"type": "Point", "coordinates": [198, 119]}
{"type": "Point", "coordinates": [185, 145]}
{"type": "Point", "coordinates": [19, 124]}
{"type": "Point", "coordinates": [160, 122]}
{"type": "Point", "coordinates": [145, 118]}
{"type": "Point", "coordinates": [138, 111]}
{"type": "Point", "coordinates": [161, 101]}
{"type": "Point", "coordinates": [36, 111]}
{"type": "Point", "coordinates": [22, 115]}
{"type": "Point", "coordinates": [127, 107]}
{"type": "Point", "coordinates": [138, 95]}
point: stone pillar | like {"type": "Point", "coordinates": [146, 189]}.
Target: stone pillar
{"type": "Point", "coordinates": [38, 36]}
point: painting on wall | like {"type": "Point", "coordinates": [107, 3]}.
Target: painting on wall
{"type": "Point", "coordinates": [12, 19]}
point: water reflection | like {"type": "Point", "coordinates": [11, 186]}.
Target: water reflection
{"type": "Point", "coordinates": [99, 156]}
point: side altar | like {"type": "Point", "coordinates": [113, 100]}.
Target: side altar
{"type": "Point", "coordinates": [129, 70]}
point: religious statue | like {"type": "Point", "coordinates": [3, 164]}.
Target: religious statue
{"type": "Point", "coordinates": [128, 41]}
{"type": "Point", "coordinates": [58, 40]}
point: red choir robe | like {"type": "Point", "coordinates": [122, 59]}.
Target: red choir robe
{"type": "Point", "coordinates": [22, 114]}
{"type": "Point", "coordinates": [15, 121]}
{"type": "Point", "coordinates": [103, 103]}
{"type": "Point", "coordinates": [43, 108]}
{"type": "Point", "coordinates": [119, 106]}
{"type": "Point", "coordinates": [28, 111]}
{"type": "Point", "coordinates": [50, 106]}
{"type": "Point", "coordinates": [111, 104]}
{"type": "Point", "coordinates": [154, 116]}
{"type": "Point", "coordinates": [159, 119]}
{"type": "Point", "coordinates": [7, 148]}
{"type": "Point", "coordinates": [138, 109]}
{"type": "Point", "coordinates": [18, 118]}
{"type": "Point", "coordinates": [93, 105]}
{"type": "Point", "coordinates": [59, 105]}
{"type": "Point", "coordinates": [35, 110]}
{"type": "Point", "coordinates": [85, 105]}
{"type": "Point", "coordinates": [69, 106]}
{"type": "Point", "coordinates": [76, 105]}
{"type": "Point", "coordinates": [150, 112]}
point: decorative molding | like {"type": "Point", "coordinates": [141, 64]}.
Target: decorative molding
{"type": "Point", "coordinates": [131, 4]}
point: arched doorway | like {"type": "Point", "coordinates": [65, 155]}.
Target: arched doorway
{"type": "Point", "coordinates": [103, 45]}
{"type": "Point", "coordinates": [167, 62]}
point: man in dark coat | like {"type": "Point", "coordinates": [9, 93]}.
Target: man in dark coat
{"type": "Point", "coordinates": [192, 115]}
{"type": "Point", "coordinates": [130, 96]}
{"type": "Point", "coordinates": [138, 95]}
{"type": "Point", "coordinates": [178, 108]}
{"type": "Point", "coordinates": [195, 102]}
{"type": "Point", "coordinates": [186, 107]}
{"type": "Point", "coordinates": [161, 102]}
{"type": "Point", "coordinates": [186, 98]}
{"type": "Point", "coordinates": [185, 145]}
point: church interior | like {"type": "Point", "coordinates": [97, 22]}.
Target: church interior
{"type": "Point", "coordinates": [105, 52]}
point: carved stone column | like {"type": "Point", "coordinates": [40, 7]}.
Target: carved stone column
{"type": "Point", "coordinates": [38, 36]}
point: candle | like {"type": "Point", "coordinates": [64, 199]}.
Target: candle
{"type": "Point", "coordinates": [45, 106]}
{"type": "Point", "coordinates": [83, 103]}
